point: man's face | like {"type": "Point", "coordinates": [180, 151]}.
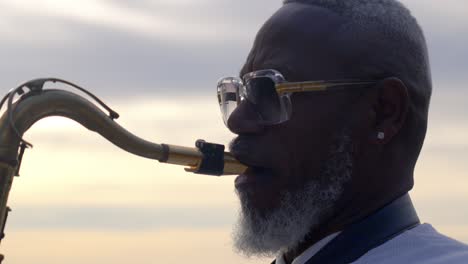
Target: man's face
{"type": "Point", "coordinates": [293, 161]}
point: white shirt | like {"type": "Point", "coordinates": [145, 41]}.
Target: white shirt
{"type": "Point", "coordinates": [422, 244]}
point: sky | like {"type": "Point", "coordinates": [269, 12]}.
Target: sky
{"type": "Point", "coordinates": [80, 199]}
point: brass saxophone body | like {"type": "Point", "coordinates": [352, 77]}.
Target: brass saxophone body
{"type": "Point", "coordinates": [205, 158]}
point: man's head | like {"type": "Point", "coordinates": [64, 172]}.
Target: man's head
{"type": "Point", "coordinates": [328, 165]}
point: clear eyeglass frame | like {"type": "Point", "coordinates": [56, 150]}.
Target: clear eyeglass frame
{"type": "Point", "coordinates": [232, 91]}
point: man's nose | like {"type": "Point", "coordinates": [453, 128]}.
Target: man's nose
{"type": "Point", "coordinates": [245, 120]}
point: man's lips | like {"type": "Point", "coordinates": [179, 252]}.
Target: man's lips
{"type": "Point", "coordinates": [253, 176]}
{"type": "Point", "coordinates": [245, 151]}
{"type": "Point", "coordinates": [245, 178]}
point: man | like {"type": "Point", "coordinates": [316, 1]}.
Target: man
{"type": "Point", "coordinates": [331, 162]}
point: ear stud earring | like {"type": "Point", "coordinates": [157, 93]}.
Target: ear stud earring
{"type": "Point", "coordinates": [380, 135]}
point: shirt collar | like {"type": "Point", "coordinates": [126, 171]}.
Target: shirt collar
{"type": "Point", "coordinates": [310, 252]}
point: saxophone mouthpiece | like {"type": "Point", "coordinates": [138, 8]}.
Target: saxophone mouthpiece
{"type": "Point", "coordinates": [207, 158]}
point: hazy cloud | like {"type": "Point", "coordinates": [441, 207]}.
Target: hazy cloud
{"type": "Point", "coordinates": [119, 218]}
{"type": "Point", "coordinates": [150, 47]}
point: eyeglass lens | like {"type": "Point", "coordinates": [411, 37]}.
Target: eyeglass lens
{"type": "Point", "coordinates": [261, 91]}
{"type": "Point", "coordinates": [228, 97]}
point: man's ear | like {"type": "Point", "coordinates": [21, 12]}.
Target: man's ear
{"type": "Point", "coordinates": [390, 110]}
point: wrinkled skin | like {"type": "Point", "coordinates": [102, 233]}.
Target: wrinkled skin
{"type": "Point", "coordinates": [286, 156]}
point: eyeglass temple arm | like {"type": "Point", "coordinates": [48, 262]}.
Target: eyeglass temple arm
{"type": "Point", "coordinates": [315, 86]}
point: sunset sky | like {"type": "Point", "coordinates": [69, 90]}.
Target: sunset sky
{"type": "Point", "coordinates": [80, 199]}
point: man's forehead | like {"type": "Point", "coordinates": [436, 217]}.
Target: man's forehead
{"type": "Point", "coordinates": [293, 36]}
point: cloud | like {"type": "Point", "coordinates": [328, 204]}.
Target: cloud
{"type": "Point", "coordinates": [157, 24]}
{"type": "Point", "coordinates": [444, 24]}
{"type": "Point", "coordinates": [443, 211]}
{"type": "Point", "coordinates": [121, 63]}
{"type": "Point", "coordinates": [119, 218]}
{"type": "Point", "coordinates": [108, 46]}
{"type": "Point", "coordinates": [213, 22]}
{"type": "Point", "coordinates": [124, 48]}
{"type": "Point", "coordinates": [145, 247]}
{"type": "Point", "coordinates": [430, 13]}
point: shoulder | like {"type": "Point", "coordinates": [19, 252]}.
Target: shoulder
{"type": "Point", "coordinates": [422, 244]}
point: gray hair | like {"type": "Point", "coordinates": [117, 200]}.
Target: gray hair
{"type": "Point", "coordinates": [389, 26]}
{"type": "Point", "coordinates": [300, 211]}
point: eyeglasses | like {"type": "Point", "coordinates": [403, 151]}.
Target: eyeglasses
{"type": "Point", "coordinates": [270, 94]}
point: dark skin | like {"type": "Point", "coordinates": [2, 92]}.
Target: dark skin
{"type": "Point", "coordinates": [292, 153]}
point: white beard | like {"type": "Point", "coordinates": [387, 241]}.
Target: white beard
{"type": "Point", "coordinates": [298, 213]}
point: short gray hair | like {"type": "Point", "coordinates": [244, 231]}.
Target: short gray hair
{"type": "Point", "coordinates": [390, 26]}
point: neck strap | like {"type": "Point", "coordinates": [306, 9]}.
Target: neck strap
{"type": "Point", "coordinates": [359, 238]}
{"type": "Point", "coordinates": [369, 233]}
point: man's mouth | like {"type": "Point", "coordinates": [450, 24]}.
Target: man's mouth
{"type": "Point", "coordinates": [247, 151]}
{"type": "Point", "coordinates": [244, 149]}
{"type": "Point", "coordinates": [253, 176]}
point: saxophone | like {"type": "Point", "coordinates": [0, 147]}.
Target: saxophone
{"type": "Point", "coordinates": [36, 103]}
